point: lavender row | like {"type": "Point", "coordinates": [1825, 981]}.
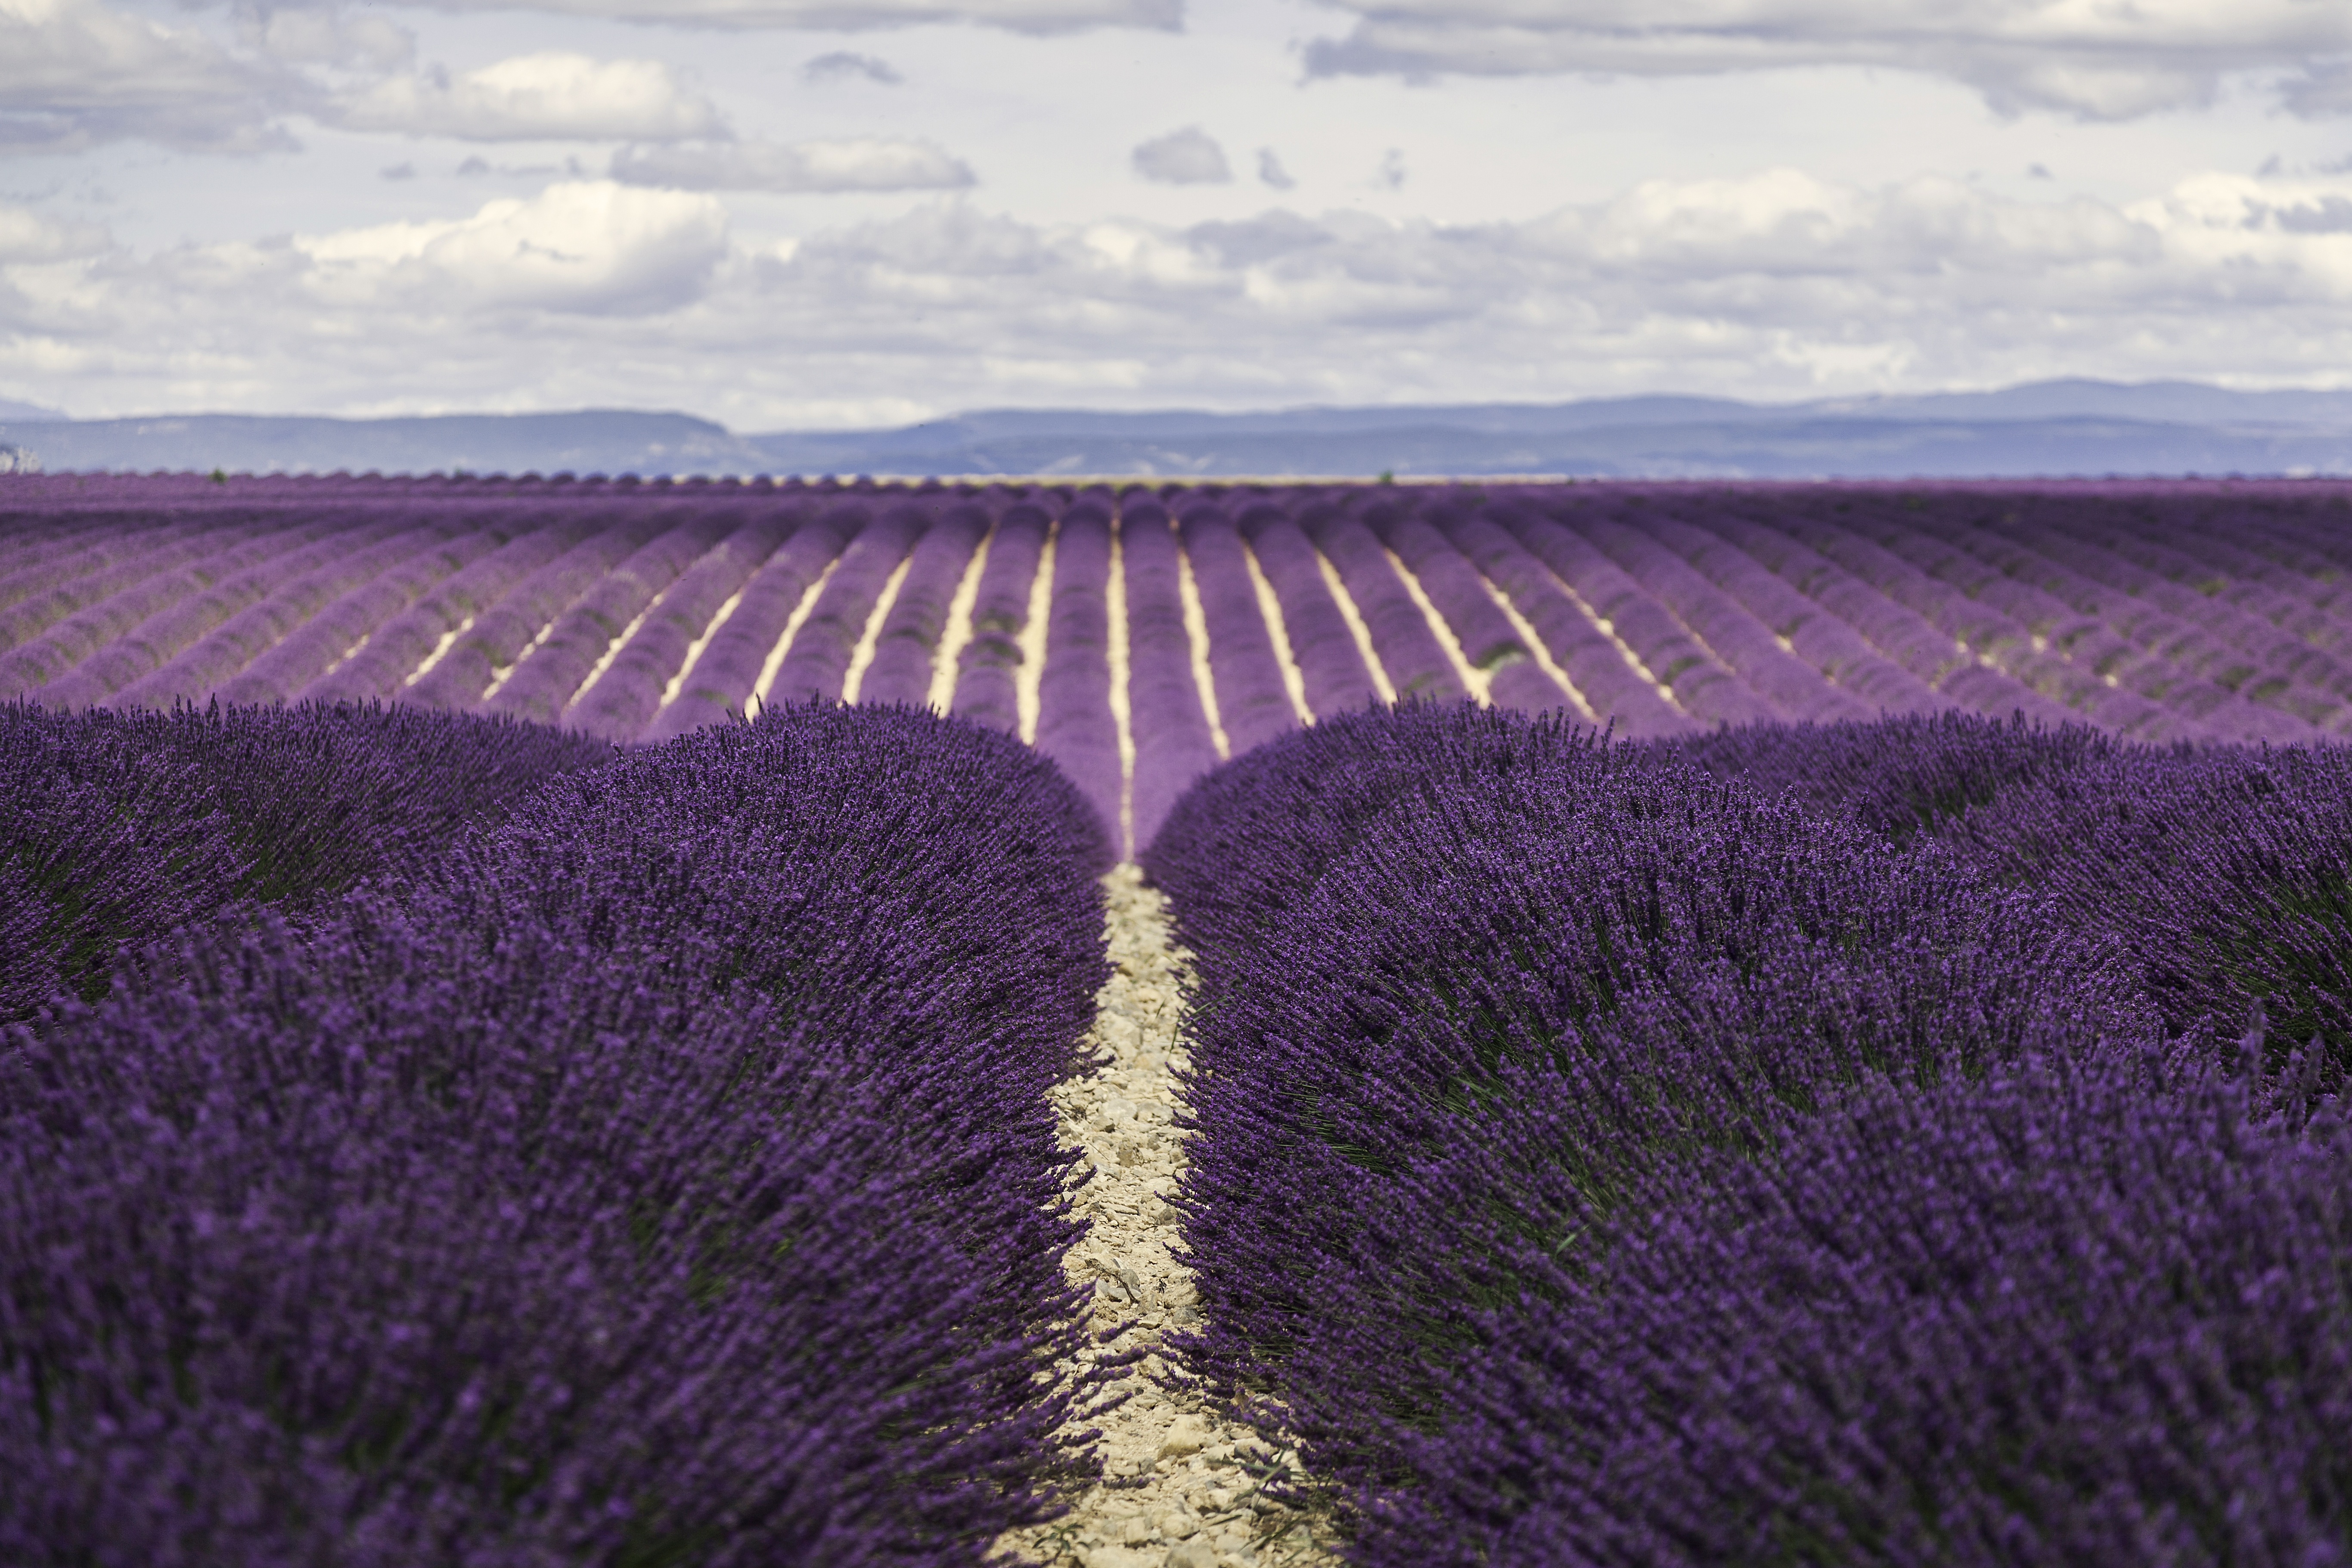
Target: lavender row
{"type": "Point", "coordinates": [1076, 726]}
{"type": "Point", "coordinates": [906, 649]}
{"type": "Point", "coordinates": [117, 827]}
{"type": "Point", "coordinates": [1944, 662]}
{"type": "Point", "coordinates": [91, 566]}
{"type": "Point", "coordinates": [818, 661]}
{"type": "Point", "coordinates": [385, 661]}
{"type": "Point", "coordinates": [2074, 655]}
{"type": "Point", "coordinates": [1245, 673]}
{"type": "Point", "coordinates": [459, 672]}
{"type": "Point", "coordinates": [1173, 742]}
{"type": "Point", "coordinates": [724, 680]}
{"type": "Point", "coordinates": [342, 626]}
{"type": "Point", "coordinates": [2121, 641]}
{"type": "Point", "coordinates": [1677, 662]}
{"type": "Point", "coordinates": [1487, 639]}
{"type": "Point", "coordinates": [666, 1174]}
{"type": "Point", "coordinates": [1609, 687]}
{"type": "Point", "coordinates": [1330, 667]}
{"type": "Point", "coordinates": [1605, 1161]}
{"type": "Point", "coordinates": [987, 686]}
{"type": "Point", "coordinates": [1409, 651]}
{"type": "Point", "coordinates": [540, 683]}
{"type": "Point", "coordinates": [630, 692]}
{"type": "Point", "coordinates": [1842, 655]}
{"type": "Point", "coordinates": [199, 671]}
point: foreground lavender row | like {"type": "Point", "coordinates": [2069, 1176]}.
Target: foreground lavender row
{"type": "Point", "coordinates": [1918, 1142]}
{"type": "Point", "coordinates": [652, 1166]}
{"type": "Point", "coordinates": [436, 1138]}
{"type": "Point", "coordinates": [1137, 637]}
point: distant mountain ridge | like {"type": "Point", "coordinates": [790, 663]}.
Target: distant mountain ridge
{"type": "Point", "coordinates": [2042, 428]}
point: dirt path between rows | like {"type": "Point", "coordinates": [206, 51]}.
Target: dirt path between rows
{"type": "Point", "coordinates": [1181, 1488]}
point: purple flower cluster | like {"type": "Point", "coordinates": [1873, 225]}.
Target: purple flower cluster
{"type": "Point", "coordinates": [1811, 1144]}
{"type": "Point", "coordinates": [664, 1174]}
{"type": "Point", "coordinates": [2078, 1312]}
{"type": "Point", "coordinates": [117, 827]}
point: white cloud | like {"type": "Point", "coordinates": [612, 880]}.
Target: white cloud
{"type": "Point", "coordinates": [577, 246]}
{"type": "Point", "coordinates": [1780, 284]}
{"type": "Point", "coordinates": [1186, 157]}
{"type": "Point", "coordinates": [550, 95]}
{"type": "Point", "coordinates": [1020, 16]}
{"type": "Point", "coordinates": [2094, 60]}
{"type": "Point", "coordinates": [26, 236]}
{"type": "Point", "coordinates": [866, 164]}
{"type": "Point", "coordinates": [74, 74]}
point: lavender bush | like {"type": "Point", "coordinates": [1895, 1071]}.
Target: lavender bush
{"type": "Point", "coordinates": [1465, 980]}
{"type": "Point", "coordinates": [2080, 1312]}
{"type": "Point", "coordinates": [119, 827]}
{"type": "Point", "coordinates": [663, 1176]}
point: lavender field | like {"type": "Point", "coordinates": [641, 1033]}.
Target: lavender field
{"type": "Point", "coordinates": [558, 1021]}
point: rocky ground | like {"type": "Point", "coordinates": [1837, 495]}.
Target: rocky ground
{"type": "Point", "coordinates": [1183, 1485]}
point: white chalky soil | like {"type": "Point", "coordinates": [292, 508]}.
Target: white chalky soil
{"type": "Point", "coordinates": [1197, 1504]}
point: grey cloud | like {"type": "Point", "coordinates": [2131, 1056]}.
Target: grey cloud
{"type": "Point", "coordinates": [845, 16]}
{"type": "Point", "coordinates": [1271, 172]}
{"type": "Point", "coordinates": [1254, 241]}
{"type": "Point", "coordinates": [2323, 89]}
{"type": "Point", "coordinates": [1186, 157]}
{"type": "Point", "coordinates": [1774, 285]}
{"type": "Point", "coordinates": [2095, 62]}
{"type": "Point", "coordinates": [397, 171]}
{"type": "Point", "coordinates": [808, 167]}
{"type": "Point", "coordinates": [842, 65]}
{"type": "Point", "coordinates": [75, 75]}
{"type": "Point", "coordinates": [2328, 214]}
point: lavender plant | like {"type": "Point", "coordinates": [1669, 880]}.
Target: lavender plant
{"type": "Point", "coordinates": [663, 1175]}
{"type": "Point", "coordinates": [119, 827]}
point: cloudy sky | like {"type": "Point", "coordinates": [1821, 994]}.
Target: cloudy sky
{"type": "Point", "coordinates": [824, 212]}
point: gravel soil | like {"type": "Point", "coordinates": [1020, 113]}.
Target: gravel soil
{"type": "Point", "coordinates": [1182, 1484]}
